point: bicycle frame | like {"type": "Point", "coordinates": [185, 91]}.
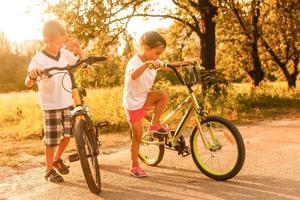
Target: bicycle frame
{"type": "Point", "coordinates": [193, 111]}
{"type": "Point", "coordinates": [193, 106]}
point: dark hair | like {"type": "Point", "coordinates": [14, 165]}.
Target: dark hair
{"type": "Point", "coordinates": [152, 39]}
{"type": "Point", "coordinates": [53, 28]}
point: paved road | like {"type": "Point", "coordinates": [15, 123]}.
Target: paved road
{"type": "Point", "coordinates": [271, 171]}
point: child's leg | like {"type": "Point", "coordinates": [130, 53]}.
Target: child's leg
{"type": "Point", "coordinates": [159, 99]}
{"type": "Point", "coordinates": [67, 132]}
{"type": "Point", "coordinates": [51, 175]}
{"type": "Point", "coordinates": [137, 133]}
{"type": "Point", "coordinates": [61, 148]}
{"type": "Point", "coordinates": [49, 157]}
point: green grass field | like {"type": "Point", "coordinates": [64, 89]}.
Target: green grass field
{"type": "Point", "coordinates": [21, 117]}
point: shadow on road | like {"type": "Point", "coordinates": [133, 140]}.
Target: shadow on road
{"type": "Point", "coordinates": [191, 184]}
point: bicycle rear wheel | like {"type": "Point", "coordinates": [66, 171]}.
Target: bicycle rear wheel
{"type": "Point", "coordinates": [226, 153]}
{"type": "Point", "coordinates": [151, 148]}
{"type": "Point", "coordinates": [85, 143]}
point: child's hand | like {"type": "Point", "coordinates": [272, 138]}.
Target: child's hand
{"type": "Point", "coordinates": [35, 73]}
{"type": "Point", "coordinates": [155, 64]}
{"type": "Point", "coordinates": [73, 46]}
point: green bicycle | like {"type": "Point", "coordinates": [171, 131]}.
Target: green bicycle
{"type": "Point", "coordinates": [216, 145]}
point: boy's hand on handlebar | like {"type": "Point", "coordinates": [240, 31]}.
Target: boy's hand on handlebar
{"type": "Point", "coordinates": [35, 73]}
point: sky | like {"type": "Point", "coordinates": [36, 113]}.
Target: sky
{"type": "Point", "coordinates": [22, 20]}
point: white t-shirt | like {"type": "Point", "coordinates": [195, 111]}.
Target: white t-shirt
{"type": "Point", "coordinates": [136, 91]}
{"type": "Point", "coordinates": [52, 94]}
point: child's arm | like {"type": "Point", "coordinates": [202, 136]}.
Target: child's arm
{"type": "Point", "coordinates": [140, 70]}
{"type": "Point", "coordinates": [32, 76]}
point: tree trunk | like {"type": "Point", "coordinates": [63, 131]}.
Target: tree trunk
{"type": "Point", "coordinates": [256, 74]}
{"type": "Point", "coordinates": [207, 36]}
{"type": "Point", "coordinates": [292, 81]}
{"type": "Point", "coordinates": [208, 45]}
{"type": "Point", "coordinates": [291, 78]}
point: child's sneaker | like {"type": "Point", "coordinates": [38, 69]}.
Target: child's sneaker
{"type": "Point", "coordinates": [53, 176]}
{"type": "Point", "coordinates": [137, 172]}
{"type": "Point", "coordinates": [61, 167]}
{"type": "Point", "coordinates": [158, 128]}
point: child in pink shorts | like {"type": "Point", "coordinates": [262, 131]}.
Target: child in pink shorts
{"type": "Point", "coordinates": [139, 78]}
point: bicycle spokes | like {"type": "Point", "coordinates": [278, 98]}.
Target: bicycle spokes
{"type": "Point", "coordinates": [222, 153]}
{"type": "Point", "coordinates": [149, 148]}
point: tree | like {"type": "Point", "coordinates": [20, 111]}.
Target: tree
{"type": "Point", "coordinates": [105, 21]}
{"type": "Point", "coordinates": [247, 15]}
{"type": "Point", "coordinates": [281, 37]}
{"type": "Point", "coordinates": [268, 34]}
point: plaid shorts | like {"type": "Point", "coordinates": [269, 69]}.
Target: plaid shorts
{"type": "Point", "coordinates": [57, 124]}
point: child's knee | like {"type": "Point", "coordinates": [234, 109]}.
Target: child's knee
{"type": "Point", "coordinates": [137, 131]}
{"type": "Point", "coordinates": [165, 95]}
{"type": "Point", "coordinates": [137, 138]}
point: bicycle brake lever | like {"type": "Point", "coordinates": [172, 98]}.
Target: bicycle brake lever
{"type": "Point", "coordinates": [85, 65]}
{"type": "Point", "coordinates": [46, 73]}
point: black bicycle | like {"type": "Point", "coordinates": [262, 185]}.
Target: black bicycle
{"type": "Point", "coordinates": [85, 132]}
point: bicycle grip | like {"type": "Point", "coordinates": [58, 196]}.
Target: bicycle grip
{"type": "Point", "coordinates": [93, 59]}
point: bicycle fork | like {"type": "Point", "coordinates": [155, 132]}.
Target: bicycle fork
{"type": "Point", "coordinates": [197, 110]}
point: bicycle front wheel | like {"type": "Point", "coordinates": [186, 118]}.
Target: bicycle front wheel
{"type": "Point", "coordinates": [85, 143]}
{"type": "Point", "coordinates": [224, 156]}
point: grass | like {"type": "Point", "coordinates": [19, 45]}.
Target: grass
{"type": "Point", "coordinates": [17, 152]}
{"type": "Point", "coordinates": [21, 117]}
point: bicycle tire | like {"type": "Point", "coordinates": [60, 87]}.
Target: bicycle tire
{"type": "Point", "coordinates": [240, 148]}
{"type": "Point", "coordinates": [80, 133]}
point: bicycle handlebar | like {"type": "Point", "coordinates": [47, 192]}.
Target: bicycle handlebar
{"type": "Point", "coordinates": [176, 72]}
{"type": "Point", "coordinates": [194, 64]}
{"type": "Point", "coordinates": [89, 61]}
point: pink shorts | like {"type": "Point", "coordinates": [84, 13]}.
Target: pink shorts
{"type": "Point", "coordinates": [136, 115]}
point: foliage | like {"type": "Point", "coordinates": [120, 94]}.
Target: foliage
{"type": "Point", "coordinates": [13, 64]}
{"type": "Point", "coordinates": [257, 34]}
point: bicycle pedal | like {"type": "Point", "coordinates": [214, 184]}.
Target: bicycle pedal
{"type": "Point", "coordinates": [149, 138]}
{"type": "Point", "coordinates": [186, 151]}
{"type": "Point", "coordinates": [101, 125]}
{"type": "Point", "coordinates": [73, 157]}
{"type": "Point", "coordinates": [159, 136]}
{"type": "Point", "coordinates": [185, 154]}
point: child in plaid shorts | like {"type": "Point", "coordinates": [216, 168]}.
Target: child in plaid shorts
{"type": "Point", "coordinates": [56, 102]}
